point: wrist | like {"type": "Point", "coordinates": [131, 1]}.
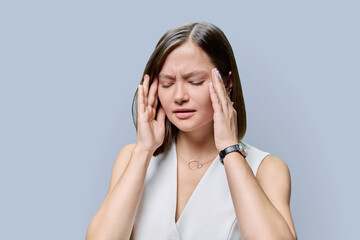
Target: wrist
{"type": "Point", "coordinates": [235, 148]}
{"type": "Point", "coordinates": [224, 145]}
{"type": "Point", "coordinates": [144, 150]}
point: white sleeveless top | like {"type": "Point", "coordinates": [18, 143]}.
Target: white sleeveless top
{"type": "Point", "coordinates": [209, 213]}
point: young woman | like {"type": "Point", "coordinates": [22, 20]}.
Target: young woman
{"type": "Point", "coordinates": [189, 175]}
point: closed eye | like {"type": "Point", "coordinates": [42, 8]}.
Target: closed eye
{"type": "Point", "coordinates": [166, 85]}
{"type": "Point", "coordinates": [197, 83]}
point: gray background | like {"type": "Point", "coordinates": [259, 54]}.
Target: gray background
{"type": "Point", "coordinates": [69, 70]}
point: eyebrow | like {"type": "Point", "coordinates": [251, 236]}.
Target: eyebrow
{"type": "Point", "coordinates": [185, 76]}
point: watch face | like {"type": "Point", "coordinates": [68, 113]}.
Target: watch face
{"type": "Point", "coordinates": [243, 147]}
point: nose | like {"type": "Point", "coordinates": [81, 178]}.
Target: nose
{"type": "Point", "coordinates": [181, 95]}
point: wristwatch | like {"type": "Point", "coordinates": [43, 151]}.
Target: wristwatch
{"type": "Point", "coordinates": [234, 148]}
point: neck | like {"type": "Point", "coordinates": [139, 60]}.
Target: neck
{"type": "Point", "coordinates": [197, 144]}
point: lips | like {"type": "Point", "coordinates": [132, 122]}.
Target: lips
{"type": "Point", "coordinates": [184, 113]}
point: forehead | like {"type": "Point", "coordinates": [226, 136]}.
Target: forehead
{"type": "Point", "coordinates": [186, 57]}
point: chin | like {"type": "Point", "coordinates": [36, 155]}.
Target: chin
{"type": "Point", "coordinates": [183, 127]}
{"type": "Point", "coordinates": [190, 127]}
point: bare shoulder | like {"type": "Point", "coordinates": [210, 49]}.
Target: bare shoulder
{"type": "Point", "coordinates": [120, 164]}
{"type": "Point", "coordinates": [273, 174]}
{"type": "Point", "coordinates": [272, 166]}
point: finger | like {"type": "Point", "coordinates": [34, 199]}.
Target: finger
{"type": "Point", "coordinates": [214, 99]}
{"type": "Point", "coordinates": [146, 88]}
{"type": "Point", "coordinates": [153, 93]}
{"type": "Point", "coordinates": [140, 100]}
{"type": "Point", "coordinates": [157, 94]}
{"type": "Point", "coordinates": [220, 90]}
{"type": "Point", "coordinates": [221, 86]}
{"type": "Point", "coordinates": [156, 102]}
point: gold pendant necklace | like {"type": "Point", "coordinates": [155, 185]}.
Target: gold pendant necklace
{"type": "Point", "coordinates": [194, 164]}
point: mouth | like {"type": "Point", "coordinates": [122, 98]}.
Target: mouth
{"type": "Point", "coordinates": [184, 113]}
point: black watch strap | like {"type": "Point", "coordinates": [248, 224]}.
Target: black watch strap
{"type": "Point", "coordinates": [230, 149]}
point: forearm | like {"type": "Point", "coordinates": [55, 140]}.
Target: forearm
{"type": "Point", "coordinates": [257, 217]}
{"type": "Point", "coordinates": [116, 215]}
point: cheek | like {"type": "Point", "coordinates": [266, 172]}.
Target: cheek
{"type": "Point", "coordinates": [209, 106]}
{"type": "Point", "coordinates": [204, 98]}
{"type": "Point", "coordinates": [204, 102]}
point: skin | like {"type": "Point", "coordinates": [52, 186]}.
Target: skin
{"type": "Point", "coordinates": [177, 88]}
{"type": "Point", "coordinates": [261, 202]}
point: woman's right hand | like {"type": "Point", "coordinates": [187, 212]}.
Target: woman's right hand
{"type": "Point", "coordinates": [150, 131]}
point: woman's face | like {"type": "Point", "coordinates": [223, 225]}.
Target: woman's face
{"type": "Point", "coordinates": [184, 88]}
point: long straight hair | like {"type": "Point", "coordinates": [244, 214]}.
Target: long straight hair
{"type": "Point", "coordinates": [215, 44]}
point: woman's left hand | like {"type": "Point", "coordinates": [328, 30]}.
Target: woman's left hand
{"type": "Point", "coordinates": [225, 117]}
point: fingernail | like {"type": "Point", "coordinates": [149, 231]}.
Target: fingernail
{"type": "Point", "coordinates": [211, 85]}
{"type": "Point", "coordinates": [218, 74]}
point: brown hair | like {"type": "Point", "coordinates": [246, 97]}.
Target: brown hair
{"type": "Point", "coordinates": [212, 41]}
